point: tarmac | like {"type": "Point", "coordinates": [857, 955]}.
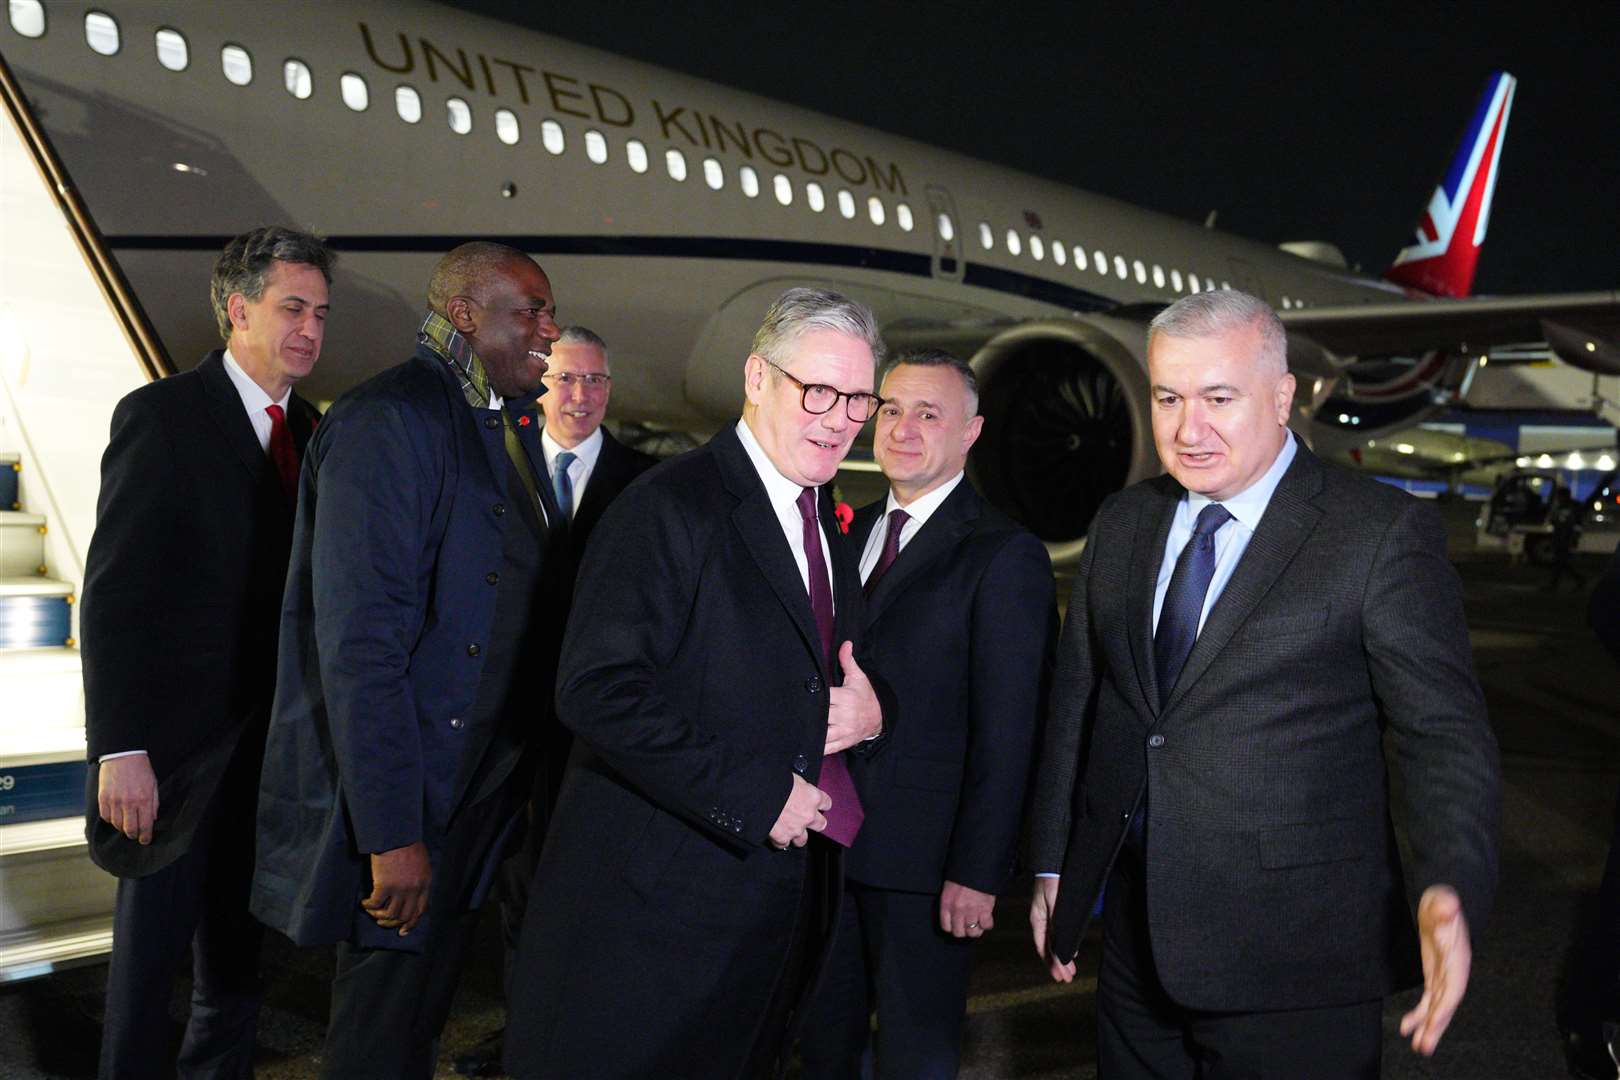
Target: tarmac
{"type": "Point", "coordinates": [1553, 696]}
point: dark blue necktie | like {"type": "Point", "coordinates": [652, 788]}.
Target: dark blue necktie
{"type": "Point", "coordinates": [1184, 600]}
{"type": "Point", "coordinates": [562, 484]}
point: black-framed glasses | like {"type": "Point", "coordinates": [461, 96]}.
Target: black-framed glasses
{"type": "Point", "coordinates": [591, 380]}
{"type": "Point", "coordinates": [819, 398]}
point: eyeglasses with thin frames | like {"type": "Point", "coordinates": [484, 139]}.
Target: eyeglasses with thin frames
{"type": "Point", "coordinates": [591, 380]}
{"type": "Point", "coordinates": [819, 398]}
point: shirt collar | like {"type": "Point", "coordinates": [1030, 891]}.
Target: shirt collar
{"type": "Point", "coordinates": [254, 399]}
{"type": "Point", "coordinates": [588, 450]}
{"type": "Point", "coordinates": [454, 349]}
{"type": "Point", "coordinates": [921, 509]}
{"type": "Point", "coordinates": [783, 493]}
{"type": "Point", "coordinates": [1249, 505]}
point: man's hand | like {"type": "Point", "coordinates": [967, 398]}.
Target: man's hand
{"type": "Point", "coordinates": [965, 912]}
{"type": "Point", "coordinates": [1041, 906]}
{"type": "Point", "coordinates": [854, 714]}
{"type": "Point", "coordinates": [400, 880]}
{"type": "Point", "coordinates": [802, 814]}
{"type": "Point", "coordinates": [1447, 957]}
{"type": "Point", "coordinates": [127, 796]}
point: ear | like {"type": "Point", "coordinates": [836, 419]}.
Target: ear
{"type": "Point", "coordinates": [971, 434]}
{"type": "Point", "coordinates": [754, 376]}
{"type": "Point", "coordinates": [236, 308]}
{"type": "Point", "coordinates": [462, 313]}
{"type": "Point", "coordinates": [1285, 398]}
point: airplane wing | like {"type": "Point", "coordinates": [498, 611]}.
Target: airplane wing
{"type": "Point", "coordinates": [1583, 329]}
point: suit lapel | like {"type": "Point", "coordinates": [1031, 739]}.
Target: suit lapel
{"type": "Point", "coordinates": [942, 532]}
{"type": "Point", "coordinates": [604, 479]}
{"type": "Point", "coordinates": [529, 438]}
{"type": "Point", "coordinates": [761, 531]}
{"type": "Point", "coordinates": [225, 408]}
{"type": "Point", "coordinates": [1289, 519]}
{"type": "Point", "coordinates": [1153, 523]}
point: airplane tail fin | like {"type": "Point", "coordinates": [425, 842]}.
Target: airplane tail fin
{"type": "Point", "coordinates": [1441, 262]}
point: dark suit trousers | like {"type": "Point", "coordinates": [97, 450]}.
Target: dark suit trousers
{"type": "Point", "coordinates": [1143, 1035]}
{"type": "Point", "coordinates": [200, 899]}
{"type": "Point", "coordinates": [889, 946]}
{"type": "Point", "coordinates": [389, 1006]}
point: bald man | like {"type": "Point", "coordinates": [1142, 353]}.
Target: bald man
{"type": "Point", "coordinates": [396, 773]}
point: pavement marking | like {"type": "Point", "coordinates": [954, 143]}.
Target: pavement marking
{"type": "Point", "coordinates": [1012, 999]}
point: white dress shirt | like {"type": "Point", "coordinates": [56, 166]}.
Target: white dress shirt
{"type": "Point", "coordinates": [1231, 539]}
{"type": "Point", "coordinates": [255, 400]}
{"type": "Point", "coordinates": [784, 496]}
{"type": "Point", "coordinates": [580, 469]}
{"type": "Point", "coordinates": [918, 513]}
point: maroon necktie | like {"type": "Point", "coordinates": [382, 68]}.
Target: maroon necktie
{"type": "Point", "coordinates": [845, 817]}
{"type": "Point", "coordinates": [891, 548]}
{"type": "Point", "coordinates": [282, 454]}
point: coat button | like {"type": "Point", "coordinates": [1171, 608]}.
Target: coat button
{"type": "Point", "coordinates": [813, 684]}
{"type": "Point", "coordinates": [473, 649]}
{"type": "Point", "coordinates": [500, 509]}
{"type": "Point", "coordinates": [1125, 816]}
{"type": "Point", "coordinates": [800, 764]}
{"type": "Point", "coordinates": [1155, 741]}
{"type": "Point", "coordinates": [457, 723]}
{"type": "Point", "coordinates": [491, 423]}
{"type": "Point", "coordinates": [493, 578]}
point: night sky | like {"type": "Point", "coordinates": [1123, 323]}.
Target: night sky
{"type": "Point", "coordinates": [1293, 121]}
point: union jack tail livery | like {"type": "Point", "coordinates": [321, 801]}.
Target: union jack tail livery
{"type": "Point", "coordinates": [1442, 261]}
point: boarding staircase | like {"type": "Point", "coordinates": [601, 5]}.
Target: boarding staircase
{"type": "Point", "coordinates": [55, 906]}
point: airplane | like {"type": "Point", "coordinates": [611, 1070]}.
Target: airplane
{"type": "Point", "coordinates": [669, 212]}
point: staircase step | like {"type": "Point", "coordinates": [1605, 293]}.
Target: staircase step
{"type": "Point", "coordinates": [10, 467]}
{"type": "Point", "coordinates": [35, 613]}
{"type": "Point", "coordinates": [22, 543]}
{"type": "Point", "coordinates": [42, 701]}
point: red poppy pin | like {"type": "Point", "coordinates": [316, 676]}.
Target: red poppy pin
{"type": "Point", "coordinates": [523, 421]}
{"type": "Point", "coordinates": [845, 515]}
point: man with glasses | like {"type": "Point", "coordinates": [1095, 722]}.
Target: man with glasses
{"type": "Point", "coordinates": [690, 879]}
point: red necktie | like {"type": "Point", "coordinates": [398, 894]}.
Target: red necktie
{"type": "Point", "coordinates": [282, 454]}
{"type": "Point", "coordinates": [891, 548]}
{"type": "Point", "coordinates": [845, 817]}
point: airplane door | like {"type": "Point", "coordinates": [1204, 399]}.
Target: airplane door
{"type": "Point", "coordinates": [947, 230]}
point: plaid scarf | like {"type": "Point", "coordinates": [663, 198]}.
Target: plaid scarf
{"type": "Point", "coordinates": [445, 340]}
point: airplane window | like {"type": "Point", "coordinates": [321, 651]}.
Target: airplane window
{"type": "Point", "coordinates": [551, 136]}
{"type": "Point", "coordinates": [1158, 276]}
{"type": "Point", "coordinates": [1037, 248]}
{"type": "Point", "coordinates": [749, 179]}
{"type": "Point", "coordinates": [1141, 271]}
{"type": "Point", "coordinates": [1079, 257]}
{"type": "Point", "coordinates": [986, 240]}
{"type": "Point", "coordinates": [1175, 280]}
{"type": "Point", "coordinates": [675, 162]}
{"type": "Point", "coordinates": [172, 51]}
{"type": "Point", "coordinates": [1209, 285]}
{"type": "Point", "coordinates": [101, 32]}
{"type": "Point", "coordinates": [28, 18]}
{"type": "Point", "coordinates": [1120, 268]}
{"type": "Point", "coordinates": [357, 95]}
{"type": "Point", "coordinates": [636, 154]}
{"type": "Point", "coordinates": [1015, 244]}
{"type": "Point", "coordinates": [1287, 303]}
{"type": "Point", "coordinates": [713, 174]}
{"type": "Point", "coordinates": [1100, 262]}
{"type": "Point", "coordinates": [947, 228]}
{"type": "Point", "coordinates": [874, 210]}
{"type": "Point", "coordinates": [459, 115]}
{"type": "Point", "coordinates": [237, 64]}
{"type": "Point", "coordinates": [1192, 282]}
{"type": "Point", "coordinates": [815, 197]}
{"type": "Point", "coordinates": [846, 203]}
{"type": "Point", "coordinates": [784, 189]}
{"type": "Point", "coordinates": [296, 79]}
{"type": "Point", "coordinates": [902, 215]}
{"type": "Point", "coordinates": [408, 103]}
{"type": "Point", "coordinates": [506, 127]}
{"type": "Point", "coordinates": [596, 147]}
{"type": "Point", "coordinates": [1059, 253]}
{"type": "Point", "coordinates": [1224, 285]}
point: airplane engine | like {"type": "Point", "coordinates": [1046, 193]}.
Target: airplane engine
{"type": "Point", "coordinates": [1066, 423]}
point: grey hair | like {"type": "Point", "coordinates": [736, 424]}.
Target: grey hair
{"type": "Point", "coordinates": [584, 335]}
{"type": "Point", "coordinates": [800, 311]}
{"type": "Point", "coordinates": [463, 267]}
{"type": "Point", "coordinates": [244, 266]}
{"type": "Point", "coordinates": [1213, 313]}
{"type": "Point", "coordinates": [941, 358]}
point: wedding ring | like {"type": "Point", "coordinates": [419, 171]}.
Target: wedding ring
{"type": "Point", "coordinates": [973, 926]}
